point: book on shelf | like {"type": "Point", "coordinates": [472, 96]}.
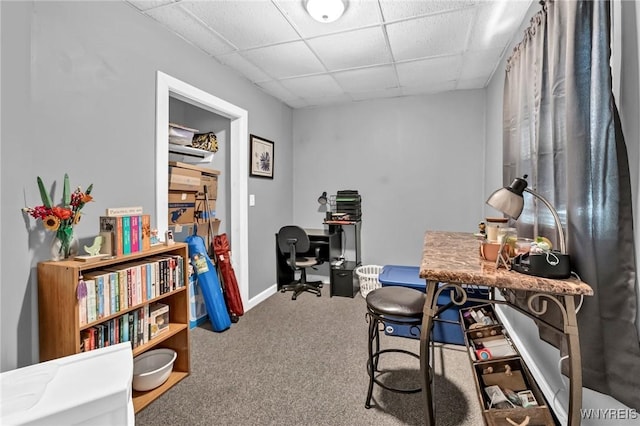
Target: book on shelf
{"type": "Point", "coordinates": [126, 234]}
{"type": "Point", "coordinates": [92, 313]}
{"type": "Point", "coordinates": [115, 292]}
{"type": "Point", "coordinates": [158, 319]}
{"type": "Point", "coordinates": [146, 232]}
{"type": "Point", "coordinates": [119, 276]}
{"type": "Point", "coordinates": [109, 226]}
{"type": "Point", "coordinates": [93, 338]}
{"type": "Point", "coordinates": [103, 293]}
{"type": "Point", "coordinates": [131, 330]}
{"type": "Point", "coordinates": [135, 233]}
{"type": "Point", "coordinates": [124, 327]}
{"type": "Point", "coordinates": [85, 340]}
{"type": "Point", "coordinates": [113, 225]}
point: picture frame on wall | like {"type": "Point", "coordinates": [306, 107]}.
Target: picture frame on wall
{"type": "Point", "coordinates": [260, 157]}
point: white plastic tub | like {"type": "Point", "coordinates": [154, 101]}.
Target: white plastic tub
{"type": "Point", "coordinates": [152, 368]}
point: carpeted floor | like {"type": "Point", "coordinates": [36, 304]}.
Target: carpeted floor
{"type": "Point", "coordinates": [303, 362]}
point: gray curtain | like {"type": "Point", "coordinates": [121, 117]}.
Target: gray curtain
{"type": "Point", "coordinates": [561, 127]}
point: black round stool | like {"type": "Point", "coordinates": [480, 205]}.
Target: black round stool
{"type": "Point", "coordinates": [395, 305]}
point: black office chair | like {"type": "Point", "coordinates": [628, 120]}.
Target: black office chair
{"type": "Point", "coordinates": [292, 240]}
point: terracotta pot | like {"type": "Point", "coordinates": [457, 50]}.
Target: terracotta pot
{"type": "Point", "coordinates": [489, 251]}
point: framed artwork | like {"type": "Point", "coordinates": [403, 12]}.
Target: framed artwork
{"type": "Point", "coordinates": [260, 157]}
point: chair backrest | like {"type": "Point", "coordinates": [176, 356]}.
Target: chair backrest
{"type": "Point", "coordinates": [291, 231]}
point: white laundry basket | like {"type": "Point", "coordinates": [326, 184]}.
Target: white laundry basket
{"type": "Point", "coordinates": [368, 276]}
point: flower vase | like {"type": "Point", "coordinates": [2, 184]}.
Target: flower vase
{"type": "Point", "coordinates": [64, 245]}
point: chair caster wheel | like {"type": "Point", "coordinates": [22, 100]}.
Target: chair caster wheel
{"type": "Point", "coordinates": [293, 298]}
{"type": "Point", "coordinates": [282, 291]}
{"type": "Point", "coordinates": [318, 295]}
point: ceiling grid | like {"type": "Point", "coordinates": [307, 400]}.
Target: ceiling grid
{"type": "Point", "coordinates": [376, 49]}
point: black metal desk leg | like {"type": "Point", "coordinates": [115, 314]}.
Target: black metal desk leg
{"type": "Point", "coordinates": [425, 341]}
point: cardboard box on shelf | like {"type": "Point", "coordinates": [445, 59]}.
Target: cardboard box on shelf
{"type": "Point", "coordinates": [211, 182]}
{"type": "Point", "coordinates": [182, 179]}
{"type": "Point", "coordinates": [182, 206]}
{"type": "Point", "coordinates": [182, 231]}
{"type": "Point", "coordinates": [204, 211]}
{"type": "Point", "coordinates": [203, 170]}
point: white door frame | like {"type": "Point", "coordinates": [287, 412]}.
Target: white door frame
{"type": "Point", "coordinates": [167, 86]}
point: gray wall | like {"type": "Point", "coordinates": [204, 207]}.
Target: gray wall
{"type": "Point", "coordinates": [546, 356]}
{"type": "Point", "coordinates": [416, 161]}
{"type": "Point", "coordinates": [78, 96]}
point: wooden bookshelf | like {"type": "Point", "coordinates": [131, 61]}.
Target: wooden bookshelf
{"type": "Point", "coordinates": [59, 320]}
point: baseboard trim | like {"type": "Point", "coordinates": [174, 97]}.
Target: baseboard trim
{"type": "Point", "coordinates": [536, 372]}
{"type": "Point", "coordinates": [256, 300]}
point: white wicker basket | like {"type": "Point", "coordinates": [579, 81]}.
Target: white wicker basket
{"type": "Point", "coordinates": [368, 276]}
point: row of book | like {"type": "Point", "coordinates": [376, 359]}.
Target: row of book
{"type": "Point", "coordinates": [120, 287]}
{"type": "Point", "coordinates": [138, 327]}
{"type": "Point", "coordinates": [127, 234]}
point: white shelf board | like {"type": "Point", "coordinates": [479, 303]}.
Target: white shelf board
{"type": "Point", "coordinates": [191, 155]}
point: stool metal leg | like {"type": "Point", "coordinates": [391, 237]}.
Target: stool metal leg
{"type": "Point", "coordinates": [371, 365]}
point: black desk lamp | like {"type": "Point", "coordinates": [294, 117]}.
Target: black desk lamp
{"type": "Point", "coordinates": [510, 201]}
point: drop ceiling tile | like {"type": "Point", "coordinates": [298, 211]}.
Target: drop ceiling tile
{"type": "Point", "coordinates": [476, 83]}
{"type": "Point", "coordinates": [285, 60]}
{"type": "Point", "coordinates": [430, 36]}
{"type": "Point", "coordinates": [328, 100]}
{"type": "Point", "coordinates": [315, 86]}
{"type": "Point", "coordinates": [297, 103]}
{"type": "Point", "coordinates": [149, 4]}
{"type": "Point", "coordinates": [429, 71]}
{"type": "Point", "coordinates": [245, 24]}
{"type": "Point", "coordinates": [479, 64]}
{"type": "Point", "coordinates": [275, 88]}
{"type": "Point", "coordinates": [356, 49]}
{"type": "Point", "coordinates": [356, 15]}
{"type": "Point", "coordinates": [190, 28]}
{"type": "Point", "coordinates": [377, 94]}
{"type": "Point", "coordinates": [393, 9]}
{"type": "Point", "coordinates": [240, 64]}
{"type": "Point", "coordinates": [497, 22]}
{"type": "Point", "coordinates": [367, 79]}
{"type": "Point", "coordinates": [439, 87]}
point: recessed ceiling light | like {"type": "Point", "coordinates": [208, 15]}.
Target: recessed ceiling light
{"type": "Point", "coordinates": [325, 11]}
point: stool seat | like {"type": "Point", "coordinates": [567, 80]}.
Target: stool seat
{"type": "Point", "coordinates": [396, 301]}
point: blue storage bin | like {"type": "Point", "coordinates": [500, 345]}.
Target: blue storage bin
{"type": "Point", "coordinates": [409, 276]}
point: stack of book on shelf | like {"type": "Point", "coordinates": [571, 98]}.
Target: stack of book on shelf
{"type": "Point", "coordinates": [121, 288]}
{"type": "Point", "coordinates": [125, 230]}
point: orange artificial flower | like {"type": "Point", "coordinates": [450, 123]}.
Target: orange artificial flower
{"type": "Point", "coordinates": [62, 213]}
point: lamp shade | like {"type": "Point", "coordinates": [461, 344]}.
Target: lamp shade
{"type": "Point", "coordinates": [325, 10]}
{"type": "Point", "coordinates": [509, 200]}
{"type": "Point", "coordinates": [322, 199]}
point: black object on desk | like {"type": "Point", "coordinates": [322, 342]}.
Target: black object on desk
{"type": "Point", "coordinates": [330, 249]}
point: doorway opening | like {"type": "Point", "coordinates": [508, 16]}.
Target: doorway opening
{"type": "Point", "coordinates": [166, 87]}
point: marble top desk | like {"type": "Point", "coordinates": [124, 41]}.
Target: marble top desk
{"type": "Point", "coordinates": [453, 258]}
